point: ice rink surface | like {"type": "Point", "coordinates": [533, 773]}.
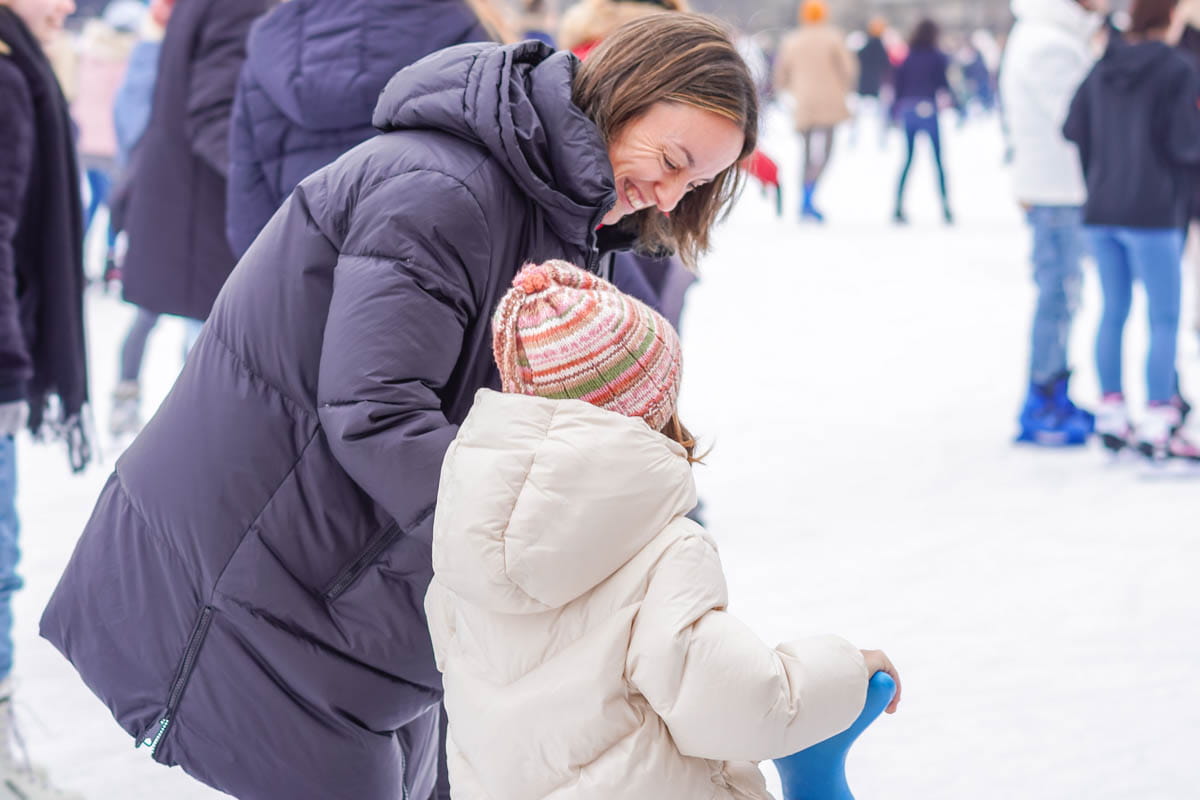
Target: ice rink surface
{"type": "Point", "coordinates": [859, 383]}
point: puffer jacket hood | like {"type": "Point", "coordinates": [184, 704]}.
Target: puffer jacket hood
{"type": "Point", "coordinates": [507, 99]}
{"type": "Point", "coordinates": [1047, 57]}
{"type": "Point", "coordinates": [324, 64]}
{"type": "Point", "coordinates": [579, 620]}
{"type": "Point", "coordinates": [1126, 69]}
{"type": "Point", "coordinates": [540, 514]}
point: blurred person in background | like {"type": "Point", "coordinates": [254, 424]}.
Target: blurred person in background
{"type": "Point", "coordinates": [978, 59]}
{"type": "Point", "coordinates": [818, 71]}
{"type": "Point", "coordinates": [135, 96]}
{"type": "Point", "coordinates": [178, 257]}
{"type": "Point", "coordinates": [1048, 56]}
{"type": "Point", "coordinates": [1186, 34]}
{"type": "Point", "coordinates": [41, 307]}
{"type": "Point", "coordinates": [313, 73]}
{"type": "Point", "coordinates": [921, 87]}
{"type": "Point", "coordinates": [874, 75]}
{"type": "Point", "coordinates": [1136, 121]}
{"type": "Point", "coordinates": [131, 114]}
{"type": "Point", "coordinates": [103, 55]}
{"type": "Point", "coordinates": [539, 18]}
{"type": "Point", "coordinates": [589, 22]}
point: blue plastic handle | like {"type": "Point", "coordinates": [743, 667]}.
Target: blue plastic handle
{"type": "Point", "coordinates": [819, 772]}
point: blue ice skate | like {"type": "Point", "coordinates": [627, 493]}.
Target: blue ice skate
{"type": "Point", "coordinates": [819, 772]}
{"type": "Point", "coordinates": [1049, 418]}
{"type": "Point", "coordinates": [808, 209]}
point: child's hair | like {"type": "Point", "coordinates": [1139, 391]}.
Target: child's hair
{"type": "Point", "coordinates": [677, 432]}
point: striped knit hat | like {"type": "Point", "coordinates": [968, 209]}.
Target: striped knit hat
{"type": "Point", "coordinates": [564, 333]}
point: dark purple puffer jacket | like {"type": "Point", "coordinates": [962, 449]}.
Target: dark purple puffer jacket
{"type": "Point", "coordinates": [247, 597]}
{"type": "Point", "coordinates": [313, 73]}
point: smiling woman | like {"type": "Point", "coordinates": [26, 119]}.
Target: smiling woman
{"type": "Point", "coordinates": [678, 108]}
{"type": "Point", "coordinates": [247, 597]}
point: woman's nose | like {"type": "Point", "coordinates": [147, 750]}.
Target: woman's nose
{"type": "Point", "coordinates": [669, 193]}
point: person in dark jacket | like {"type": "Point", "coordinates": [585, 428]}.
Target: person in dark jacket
{"type": "Point", "coordinates": [247, 598]}
{"type": "Point", "coordinates": [41, 301]}
{"type": "Point", "coordinates": [131, 115]}
{"type": "Point", "coordinates": [178, 256]}
{"type": "Point", "coordinates": [921, 86]}
{"type": "Point", "coordinates": [1136, 122]}
{"type": "Point", "coordinates": [874, 75]}
{"type": "Point", "coordinates": [313, 71]}
{"type": "Point", "coordinates": [874, 66]}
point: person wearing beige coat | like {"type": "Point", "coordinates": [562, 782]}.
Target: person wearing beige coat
{"type": "Point", "coordinates": [580, 621]}
{"type": "Point", "coordinates": [818, 71]}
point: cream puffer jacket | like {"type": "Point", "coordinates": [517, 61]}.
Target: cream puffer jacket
{"type": "Point", "coordinates": [579, 619]}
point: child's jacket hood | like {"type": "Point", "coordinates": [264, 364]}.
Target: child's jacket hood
{"type": "Point", "coordinates": [548, 498]}
{"type": "Point", "coordinates": [580, 622]}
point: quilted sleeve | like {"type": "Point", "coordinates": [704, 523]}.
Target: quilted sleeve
{"type": "Point", "coordinates": [721, 691]}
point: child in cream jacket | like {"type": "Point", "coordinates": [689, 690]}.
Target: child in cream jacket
{"type": "Point", "coordinates": [577, 615]}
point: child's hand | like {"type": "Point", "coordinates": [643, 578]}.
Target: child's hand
{"type": "Point", "coordinates": [877, 661]}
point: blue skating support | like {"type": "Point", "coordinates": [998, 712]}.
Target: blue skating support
{"type": "Point", "coordinates": [819, 772]}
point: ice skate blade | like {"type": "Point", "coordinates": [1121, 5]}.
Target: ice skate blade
{"type": "Point", "coordinates": [1052, 438]}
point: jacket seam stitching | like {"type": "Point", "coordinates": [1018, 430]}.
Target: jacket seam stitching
{"type": "Point", "coordinates": [371, 187]}
{"type": "Point", "coordinates": [461, 182]}
{"type": "Point", "coordinates": [291, 401]}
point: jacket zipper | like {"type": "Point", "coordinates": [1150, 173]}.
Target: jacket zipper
{"type": "Point", "coordinates": [382, 542]}
{"type": "Point", "coordinates": [177, 686]}
{"type": "Point", "coordinates": [403, 774]}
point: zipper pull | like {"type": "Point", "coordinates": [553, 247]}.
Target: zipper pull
{"type": "Point", "coordinates": [152, 741]}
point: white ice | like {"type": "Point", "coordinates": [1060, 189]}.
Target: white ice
{"type": "Point", "coordinates": [859, 383]}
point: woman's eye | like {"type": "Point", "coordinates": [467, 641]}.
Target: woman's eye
{"type": "Point", "coordinates": [670, 166]}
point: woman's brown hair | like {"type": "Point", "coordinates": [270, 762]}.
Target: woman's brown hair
{"type": "Point", "coordinates": [1150, 15]}
{"type": "Point", "coordinates": [672, 58]}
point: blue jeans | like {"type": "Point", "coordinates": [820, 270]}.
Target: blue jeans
{"type": "Point", "coordinates": [919, 118]}
{"type": "Point", "coordinates": [1057, 251]}
{"type": "Point", "coordinates": [99, 188]}
{"type": "Point", "coordinates": [9, 552]}
{"type": "Point", "coordinates": [1153, 256]}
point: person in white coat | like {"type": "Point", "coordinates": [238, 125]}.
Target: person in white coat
{"type": "Point", "coordinates": [578, 617]}
{"type": "Point", "coordinates": [1049, 54]}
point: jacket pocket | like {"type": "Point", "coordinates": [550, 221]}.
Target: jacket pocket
{"type": "Point", "coordinates": [354, 570]}
{"type": "Point", "coordinates": [154, 736]}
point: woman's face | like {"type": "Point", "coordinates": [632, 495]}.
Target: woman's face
{"type": "Point", "coordinates": [667, 152]}
{"type": "Point", "coordinates": [44, 18]}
